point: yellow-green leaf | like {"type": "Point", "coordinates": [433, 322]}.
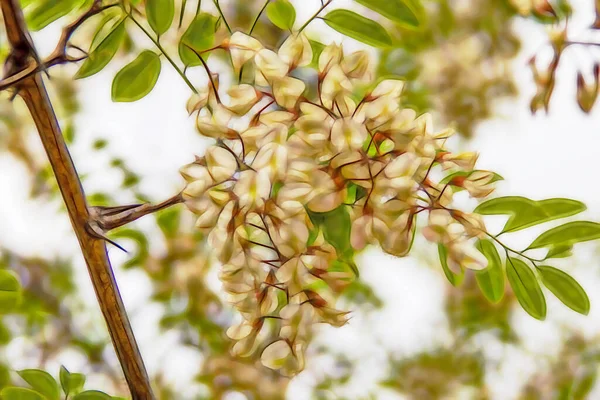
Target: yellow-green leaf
{"type": "Point", "coordinates": [103, 53]}
{"type": "Point", "coordinates": [199, 36]}
{"type": "Point", "coordinates": [10, 291]}
{"type": "Point", "coordinates": [72, 383]}
{"type": "Point", "coordinates": [404, 12]}
{"type": "Point", "coordinates": [160, 15]}
{"type": "Point", "coordinates": [358, 27]}
{"type": "Point", "coordinates": [137, 78]}
{"type": "Point", "coordinates": [47, 11]}
{"type": "Point", "coordinates": [281, 13]}
{"type": "Point", "coordinates": [42, 382]}
{"type": "Point", "coordinates": [568, 234]}
{"type": "Point", "coordinates": [16, 393]}
{"type": "Point", "coordinates": [490, 279]}
{"type": "Point", "coordinates": [565, 288]}
{"type": "Point", "coordinates": [526, 287]}
{"type": "Point", "coordinates": [525, 212]}
{"type": "Point", "coordinates": [92, 395]}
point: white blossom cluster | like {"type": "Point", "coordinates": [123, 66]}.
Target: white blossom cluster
{"type": "Point", "coordinates": [283, 155]}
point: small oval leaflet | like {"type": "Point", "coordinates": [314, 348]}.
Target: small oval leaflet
{"type": "Point", "coordinates": [92, 395]}
{"type": "Point", "coordinates": [281, 13]}
{"type": "Point", "coordinates": [42, 382]}
{"type": "Point", "coordinates": [491, 279]}
{"type": "Point", "coordinates": [565, 288]}
{"type": "Point", "coordinates": [526, 288]}
{"type": "Point", "coordinates": [567, 234]}
{"type": "Point", "coordinates": [405, 12]}
{"type": "Point", "coordinates": [137, 78]}
{"type": "Point", "coordinates": [103, 53]}
{"type": "Point", "coordinates": [71, 383]}
{"type": "Point", "coordinates": [199, 36]}
{"type": "Point", "coordinates": [358, 27]}
{"type": "Point", "coordinates": [17, 393]}
{"type": "Point", "coordinates": [47, 11]}
{"type": "Point", "coordinates": [10, 291]}
{"type": "Point", "coordinates": [160, 15]}
{"type": "Point", "coordinates": [525, 212]}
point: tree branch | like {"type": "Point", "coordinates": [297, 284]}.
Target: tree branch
{"type": "Point", "coordinates": [59, 54]}
{"type": "Point", "coordinates": [109, 218]}
{"type": "Point", "coordinates": [33, 92]}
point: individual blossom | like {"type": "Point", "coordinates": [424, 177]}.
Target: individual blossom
{"type": "Point", "coordinates": [241, 48]}
{"type": "Point", "coordinates": [296, 51]}
{"type": "Point", "coordinates": [242, 98]}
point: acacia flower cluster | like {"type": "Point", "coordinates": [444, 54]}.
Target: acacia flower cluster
{"type": "Point", "coordinates": [287, 156]}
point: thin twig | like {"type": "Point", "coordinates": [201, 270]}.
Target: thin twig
{"type": "Point", "coordinates": [59, 54]}
{"type": "Point", "coordinates": [315, 15]}
{"type": "Point", "coordinates": [109, 218]}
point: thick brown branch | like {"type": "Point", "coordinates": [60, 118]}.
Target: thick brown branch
{"type": "Point", "coordinates": [59, 54]}
{"type": "Point", "coordinates": [33, 92]}
{"type": "Point", "coordinates": [109, 218]}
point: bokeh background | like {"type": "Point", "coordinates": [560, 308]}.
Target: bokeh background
{"type": "Point", "coordinates": [412, 335]}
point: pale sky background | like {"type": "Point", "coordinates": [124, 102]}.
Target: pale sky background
{"type": "Point", "coordinates": [540, 156]}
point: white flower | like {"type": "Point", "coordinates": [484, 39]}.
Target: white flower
{"type": "Point", "coordinates": [287, 91]}
{"type": "Point", "coordinates": [296, 51]}
{"type": "Point", "coordinates": [242, 98]}
{"type": "Point", "coordinates": [242, 48]}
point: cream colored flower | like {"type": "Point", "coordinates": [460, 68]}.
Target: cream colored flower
{"type": "Point", "coordinates": [348, 134]}
{"type": "Point", "coordinates": [242, 48]}
{"type": "Point", "coordinates": [356, 65]}
{"type": "Point", "coordinates": [269, 66]}
{"type": "Point", "coordinates": [252, 189]}
{"type": "Point", "coordinates": [242, 98]}
{"type": "Point", "coordinates": [330, 56]}
{"type": "Point", "coordinates": [221, 164]}
{"type": "Point", "coordinates": [198, 100]}
{"type": "Point", "coordinates": [287, 91]}
{"type": "Point", "coordinates": [296, 51]}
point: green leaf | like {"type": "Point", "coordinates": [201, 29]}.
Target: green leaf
{"type": "Point", "coordinates": [281, 13]}
{"type": "Point", "coordinates": [92, 395]}
{"type": "Point", "coordinates": [72, 383]}
{"type": "Point", "coordinates": [358, 27]}
{"type": "Point", "coordinates": [137, 78]}
{"type": "Point", "coordinates": [404, 12]}
{"type": "Point", "coordinates": [160, 15]}
{"type": "Point", "coordinates": [583, 384]}
{"type": "Point", "coordinates": [5, 334]}
{"type": "Point", "coordinates": [15, 393]}
{"type": "Point", "coordinates": [565, 288]}
{"type": "Point", "coordinates": [103, 53]}
{"type": "Point", "coordinates": [336, 226]}
{"type": "Point", "coordinates": [317, 49]}
{"type": "Point", "coordinates": [568, 234]}
{"type": "Point", "coordinates": [199, 36]}
{"type": "Point", "coordinates": [490, 279]}
{"type": "Point", "coordinates": [526, 288]}
{"type": "Point", "coordinates": [559, 251]}
{"type": "Point", "coordinates": [42, 382]}
{"type": "Point", "coordinates": [525, 212]}
{"type": "Point", "coordinates": [10, 291]}
{"type": "Point", "coordinates": [47, 11]}
{"type": "Point", "coordinates": [454, 278]}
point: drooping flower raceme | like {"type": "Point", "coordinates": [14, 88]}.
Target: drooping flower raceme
{"type": "Point", "coordinates": [311, 180]}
